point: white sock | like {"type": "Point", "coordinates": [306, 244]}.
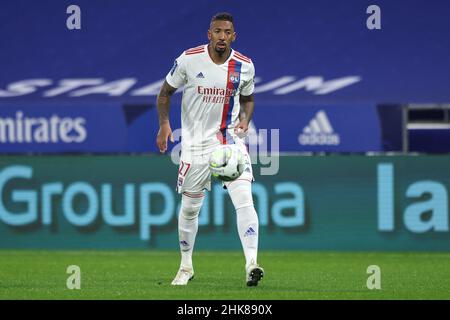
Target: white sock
{"type": "Point", "coordinates": [188, 227]}
{"type": "Point", "coordinates": [247, 220]}
{"type": "Point", "coordinates": [247, 224]}
{"type": "Point", "coordinates": [187, 231]}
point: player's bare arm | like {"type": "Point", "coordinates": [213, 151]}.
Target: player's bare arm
{"type": "Point", "coordinates": [245, 115]}
{"type": "Point", "coordinates": [163, 105]}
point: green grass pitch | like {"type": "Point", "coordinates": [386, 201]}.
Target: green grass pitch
{"type": "Point", "coordinates": [290, 275]}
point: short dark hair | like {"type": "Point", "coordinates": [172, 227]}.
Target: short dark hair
{"type": "Point", "coordinates": [222, 16]}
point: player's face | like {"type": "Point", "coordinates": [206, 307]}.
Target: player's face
{"type": "Point", "coordinates": [221, 34]}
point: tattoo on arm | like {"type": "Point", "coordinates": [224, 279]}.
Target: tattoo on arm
{"type": "Point", "coordinates": [247, 106]}
{"type": "Point", "coordinates": [163, 102]}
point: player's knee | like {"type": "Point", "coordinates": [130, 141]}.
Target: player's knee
{"type": "Point", "coordinates": [241, 193]}
{"type": "Point", "coordinates": [191, 204]}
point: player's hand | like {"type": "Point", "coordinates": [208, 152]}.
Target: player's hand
{"type": "Point", "coordinates": [241, 128]}
{"type": "Point", "coordinates": [164, 133]}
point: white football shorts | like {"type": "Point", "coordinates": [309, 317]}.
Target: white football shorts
{"type": "Point", "coordinates": [194, 175]}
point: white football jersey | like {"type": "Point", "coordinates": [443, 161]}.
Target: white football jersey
{"type": "Point", "coordinates": [210, 103]}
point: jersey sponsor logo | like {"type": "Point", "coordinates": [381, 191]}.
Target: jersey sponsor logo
{"type": "Point", "coordinates": [319, 132]}
{"type": "Point", "coordinates": [216, 91]}
{"type": "Point", "coordinates": [216, 95]}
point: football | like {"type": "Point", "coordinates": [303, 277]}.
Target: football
{"type": "Point", "coordinates": [227, 162]}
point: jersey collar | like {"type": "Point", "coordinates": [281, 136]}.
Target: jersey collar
{"type": "Point", "coordinates": [226, 61]}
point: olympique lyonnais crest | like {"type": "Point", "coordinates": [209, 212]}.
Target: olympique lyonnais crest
{"type": "Point", "coordinates": [234, 77]}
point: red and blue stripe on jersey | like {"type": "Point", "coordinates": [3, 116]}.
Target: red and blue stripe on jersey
{"type": "Point", "coordinates": [233, 80]}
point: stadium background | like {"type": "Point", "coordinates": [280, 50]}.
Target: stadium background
{"type": "Point", "coordinates": [362, 119]}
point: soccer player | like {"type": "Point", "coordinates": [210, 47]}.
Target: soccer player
{"type": "Point", "coordinates": [217, 106]}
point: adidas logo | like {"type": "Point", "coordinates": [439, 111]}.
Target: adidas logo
{"type": "Point", "coordinates": [319, 132]}
{"type": "Point", "coordinates": [200, 75]}
{"type": "Point", "coordinates": [250, 232]}
{"type": "Point", "coordinates": [184, 243]}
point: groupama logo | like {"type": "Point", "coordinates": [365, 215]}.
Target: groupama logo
{"type": "Point", "coordinates": [23, 201]}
